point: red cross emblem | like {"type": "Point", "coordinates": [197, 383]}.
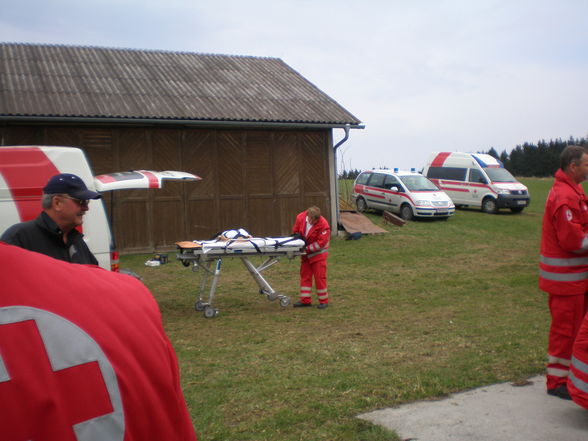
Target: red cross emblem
{"type": "Point", "coordinates": [56, 383]}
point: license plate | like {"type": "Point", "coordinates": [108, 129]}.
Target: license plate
{"type": "Point", "coordinates": [522, 202]}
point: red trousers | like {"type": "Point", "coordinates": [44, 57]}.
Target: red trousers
{"type": "Point", "coordinates": [578, 378]}
{"type": "Point", "coordinates": [318, 270]}
{"type": "Point", "coordinates": [567, 314]}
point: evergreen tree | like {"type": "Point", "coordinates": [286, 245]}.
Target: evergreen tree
{"type": "Point", "coordinates": [493, 153]}
{"type": "Point", "coordinates": [505, 160]}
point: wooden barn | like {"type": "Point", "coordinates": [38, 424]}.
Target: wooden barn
{"type": "Point", "coordinates": [258, 133]}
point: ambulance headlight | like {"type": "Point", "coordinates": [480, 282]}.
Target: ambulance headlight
{"type": "Point", "coordinates": [423, 203]}
{"type": "Point", "coordinates": [503, 192]}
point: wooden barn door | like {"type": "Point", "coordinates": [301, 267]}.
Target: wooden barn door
{"type": "Point", "coordinates": [199, 157]}
{"type": "Point", "coordinates": [133, 220]}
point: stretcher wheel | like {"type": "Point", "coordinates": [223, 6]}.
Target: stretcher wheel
{"type": "Point", "coordinates": [199, 306]}
{"type": "Point", "coordinates": [210, 312]}
{"type": "Point", "coordinates": [185, 262]}
{"type": "Point", "coordinates": [284, 301]}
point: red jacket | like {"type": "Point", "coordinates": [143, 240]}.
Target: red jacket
{"type": "Point", "coordinates": [83, 353]}
{"type": "Point", "coordinates": [317, 239]}
{"type": "Point", "coordinates": [564, 239]}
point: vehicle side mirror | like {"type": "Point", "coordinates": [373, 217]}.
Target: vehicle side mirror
{"type": "Point", "coordinates": [394, 188]}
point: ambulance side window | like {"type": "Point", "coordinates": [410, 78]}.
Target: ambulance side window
{"type": "Point", "coordinates": [477, 176]}
{"type": "Point", "coordinates": [377, 180]}
{"type": "Point", "coordinates": [390, 182]}
{"type": "Point", "coordinates": [449, 173]}
{"type": "Point", "coordinates": [363, 178]}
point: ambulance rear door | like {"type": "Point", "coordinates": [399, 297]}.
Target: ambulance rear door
{"type": "Point", "coordinates": [136, 179]}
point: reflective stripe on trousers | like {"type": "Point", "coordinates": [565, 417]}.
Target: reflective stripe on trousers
{"type": "Point", "coordinates": [558, 367]}
{"type": "Point", "coordinates": [581, 367]}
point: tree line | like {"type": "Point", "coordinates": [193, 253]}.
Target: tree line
{"type": "Point", "coordinates": [349, 174]}
{"type": "Point", "coordinates": [540, 160]}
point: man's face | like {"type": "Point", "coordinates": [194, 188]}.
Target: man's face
{"type": "Point", "coordinates": [70, 211]}
{"type": "Point", "coordinates": [580, 169]}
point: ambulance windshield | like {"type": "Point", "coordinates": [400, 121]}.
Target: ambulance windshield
{"type": "Point", "coordinates": [499, 175]}
{"type": "Point", "coordinates": [418, 183]}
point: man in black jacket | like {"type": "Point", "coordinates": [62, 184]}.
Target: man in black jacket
{"type": "Point", "coordinates": [65, 202]}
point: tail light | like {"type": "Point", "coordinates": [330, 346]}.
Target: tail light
{"type": "Point", "coordinates": [114, 266]}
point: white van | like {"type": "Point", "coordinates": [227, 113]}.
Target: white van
{"type": "Point", "coordinates": [478, 180]}
{"type": "Point", "coordinates": [405, 193]}
{"type": "Point", "coordinates": [24, 171]}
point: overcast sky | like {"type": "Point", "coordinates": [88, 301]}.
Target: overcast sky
{"type": "Point", "coordinates": [422, 75]}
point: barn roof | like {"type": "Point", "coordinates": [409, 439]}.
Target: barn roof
{"type": "Point", "coordinates": [92, 82]}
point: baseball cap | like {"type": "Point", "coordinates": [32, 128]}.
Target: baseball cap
{"type": "Point", "coordinates": [70, 184]}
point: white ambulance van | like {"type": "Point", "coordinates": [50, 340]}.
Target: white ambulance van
{"type": "Point", "coordinates": [477, 180]}
{"type": "Point", "coordinates": [24, 171]}
{"type": "Point", "coordinates": [407, 194]}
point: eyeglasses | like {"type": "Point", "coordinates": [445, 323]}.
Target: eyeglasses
{"type": "Point", "coordinates": [80, 202]}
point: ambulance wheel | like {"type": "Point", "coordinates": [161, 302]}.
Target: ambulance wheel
{"type": "Point", "coordinates": [489, 205]}
{"type": "Point", "coordinates": [361, 205]}
{"type": "Point", "coordinates": [284, 301]}
{"type": "Point", "coordinates": [199, 306]}
{"type": "Point", "coordinates": [210, 312]}
{"type": "Point", "coordinates": [406, 212]}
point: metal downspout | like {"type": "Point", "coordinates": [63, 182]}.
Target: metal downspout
{"type": "Point", "coordinates": [345, 138]}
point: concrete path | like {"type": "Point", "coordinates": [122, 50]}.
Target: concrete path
{"type": "Point", "coordinates": [500, 412]}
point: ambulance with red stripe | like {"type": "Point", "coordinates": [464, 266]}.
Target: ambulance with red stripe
{"type": "Point", "coordinates": [24, 171]}
{"type": "Point", "coordinates": [407, 194]}
{"type": "Point", "coordinates": [478, 180]}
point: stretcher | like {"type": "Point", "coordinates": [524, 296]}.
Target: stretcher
{"type": "Point", "coordinates": [208, 255]}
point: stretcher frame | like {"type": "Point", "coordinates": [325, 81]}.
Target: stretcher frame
{"type": "Point", "coordinates": [210, 261]}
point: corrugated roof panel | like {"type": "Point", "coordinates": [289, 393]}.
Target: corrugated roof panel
{"type": "Point", "coordinates": [70, 81]}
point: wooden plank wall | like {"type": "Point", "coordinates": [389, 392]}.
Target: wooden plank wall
{"type": "Point", "coordinates": [253, 179]}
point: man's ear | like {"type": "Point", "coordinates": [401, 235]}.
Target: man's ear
{"type": "Point", "coordinates": [56, 203]}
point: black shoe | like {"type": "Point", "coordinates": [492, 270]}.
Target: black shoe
{"type": "Point", "coordinates": [301, 305]}
{"type": "Point", "coordinates": [322, 305]}
{"type": "Point", "coordinates": [560, 392]}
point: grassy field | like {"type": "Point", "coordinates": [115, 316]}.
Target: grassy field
{"type": "Point", "coordinates": [425, 310]}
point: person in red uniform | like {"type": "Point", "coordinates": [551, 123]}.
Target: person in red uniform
{"type": "Point", "coordinates": [564, 263]}
{"type": "Point", "coordinates": [315, 231]}
{"type": "Point", "coordinates": [83, 356]}
{"type": "Point", "coordinates": [578, 378]}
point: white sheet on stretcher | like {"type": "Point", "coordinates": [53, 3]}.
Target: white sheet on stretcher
{"type": "Point", "coordinates": [265, 245]}
{"type": "Point", "coordinates": [254, 245]}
